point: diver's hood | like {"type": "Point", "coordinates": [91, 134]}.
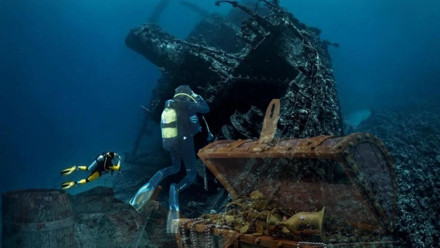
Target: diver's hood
{"type": "Point", "coordinates": [183, 89]}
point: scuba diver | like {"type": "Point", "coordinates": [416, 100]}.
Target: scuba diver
{"type": "Point", "coordinates": [179, 123]}
{"type": "Point", "coordinates": [102, 164]}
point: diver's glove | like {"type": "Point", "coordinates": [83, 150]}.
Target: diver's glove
{"type": "Point", "coordinates": [194, 119]}
{"type": "Point", "coordinates": [197, 97]}
{"type": "Point", "coordinates": [68, 185]}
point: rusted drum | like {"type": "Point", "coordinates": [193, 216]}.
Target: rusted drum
{"type": "Point", "coordinates": [38, 218]}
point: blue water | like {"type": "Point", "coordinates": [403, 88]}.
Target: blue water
{"type": "Point", "coordinates": [71, 89]}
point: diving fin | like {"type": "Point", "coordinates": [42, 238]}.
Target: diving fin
{"type": "Point", "coordinates": [172, 221]}
{"type": "Point", "coordinates": [69, 171]}
{"type": "Point", "coordinates": [141, 198]}
{"type": "Point", "coordinates": [68, 185]}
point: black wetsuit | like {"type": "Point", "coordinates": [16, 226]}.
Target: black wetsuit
{"type": "Point", "coordinates": [104, 166]}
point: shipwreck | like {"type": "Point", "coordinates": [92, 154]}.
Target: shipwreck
{"type": "Point", "coordinates": [294, 179]}
{"type": "Point", "coordinates": [318, 187]}
{"type": "Point", "coordinates": [240, 62]}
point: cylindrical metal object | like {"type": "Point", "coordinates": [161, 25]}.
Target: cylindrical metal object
{"type": "Point", "coordinates": [38, 218]}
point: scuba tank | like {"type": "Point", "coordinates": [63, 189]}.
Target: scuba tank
{"type": "Point", "coordinates": [168, 126]}
{"type": "Point", "coordinates": [195, 120]}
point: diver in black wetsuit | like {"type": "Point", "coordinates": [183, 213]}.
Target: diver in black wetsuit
{"type": "Point", "coordinates": [179, 123]}
{"type": "Point", "coordinates": [102, 164]}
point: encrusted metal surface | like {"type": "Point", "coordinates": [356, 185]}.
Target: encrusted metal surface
{"type": "Point", "coordinates": [268, 53]}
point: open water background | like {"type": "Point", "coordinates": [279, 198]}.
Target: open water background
{"type": "Point", "coordinates": [70, 88]}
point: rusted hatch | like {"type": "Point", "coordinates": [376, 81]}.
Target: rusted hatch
{"type": "Point", "coordinates": [352, 177]}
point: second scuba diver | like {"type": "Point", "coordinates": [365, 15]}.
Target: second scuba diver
{"type": "Point", "coordinates": [179, 123]}
{"type": "Point", "coordinates": [103, 163]}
